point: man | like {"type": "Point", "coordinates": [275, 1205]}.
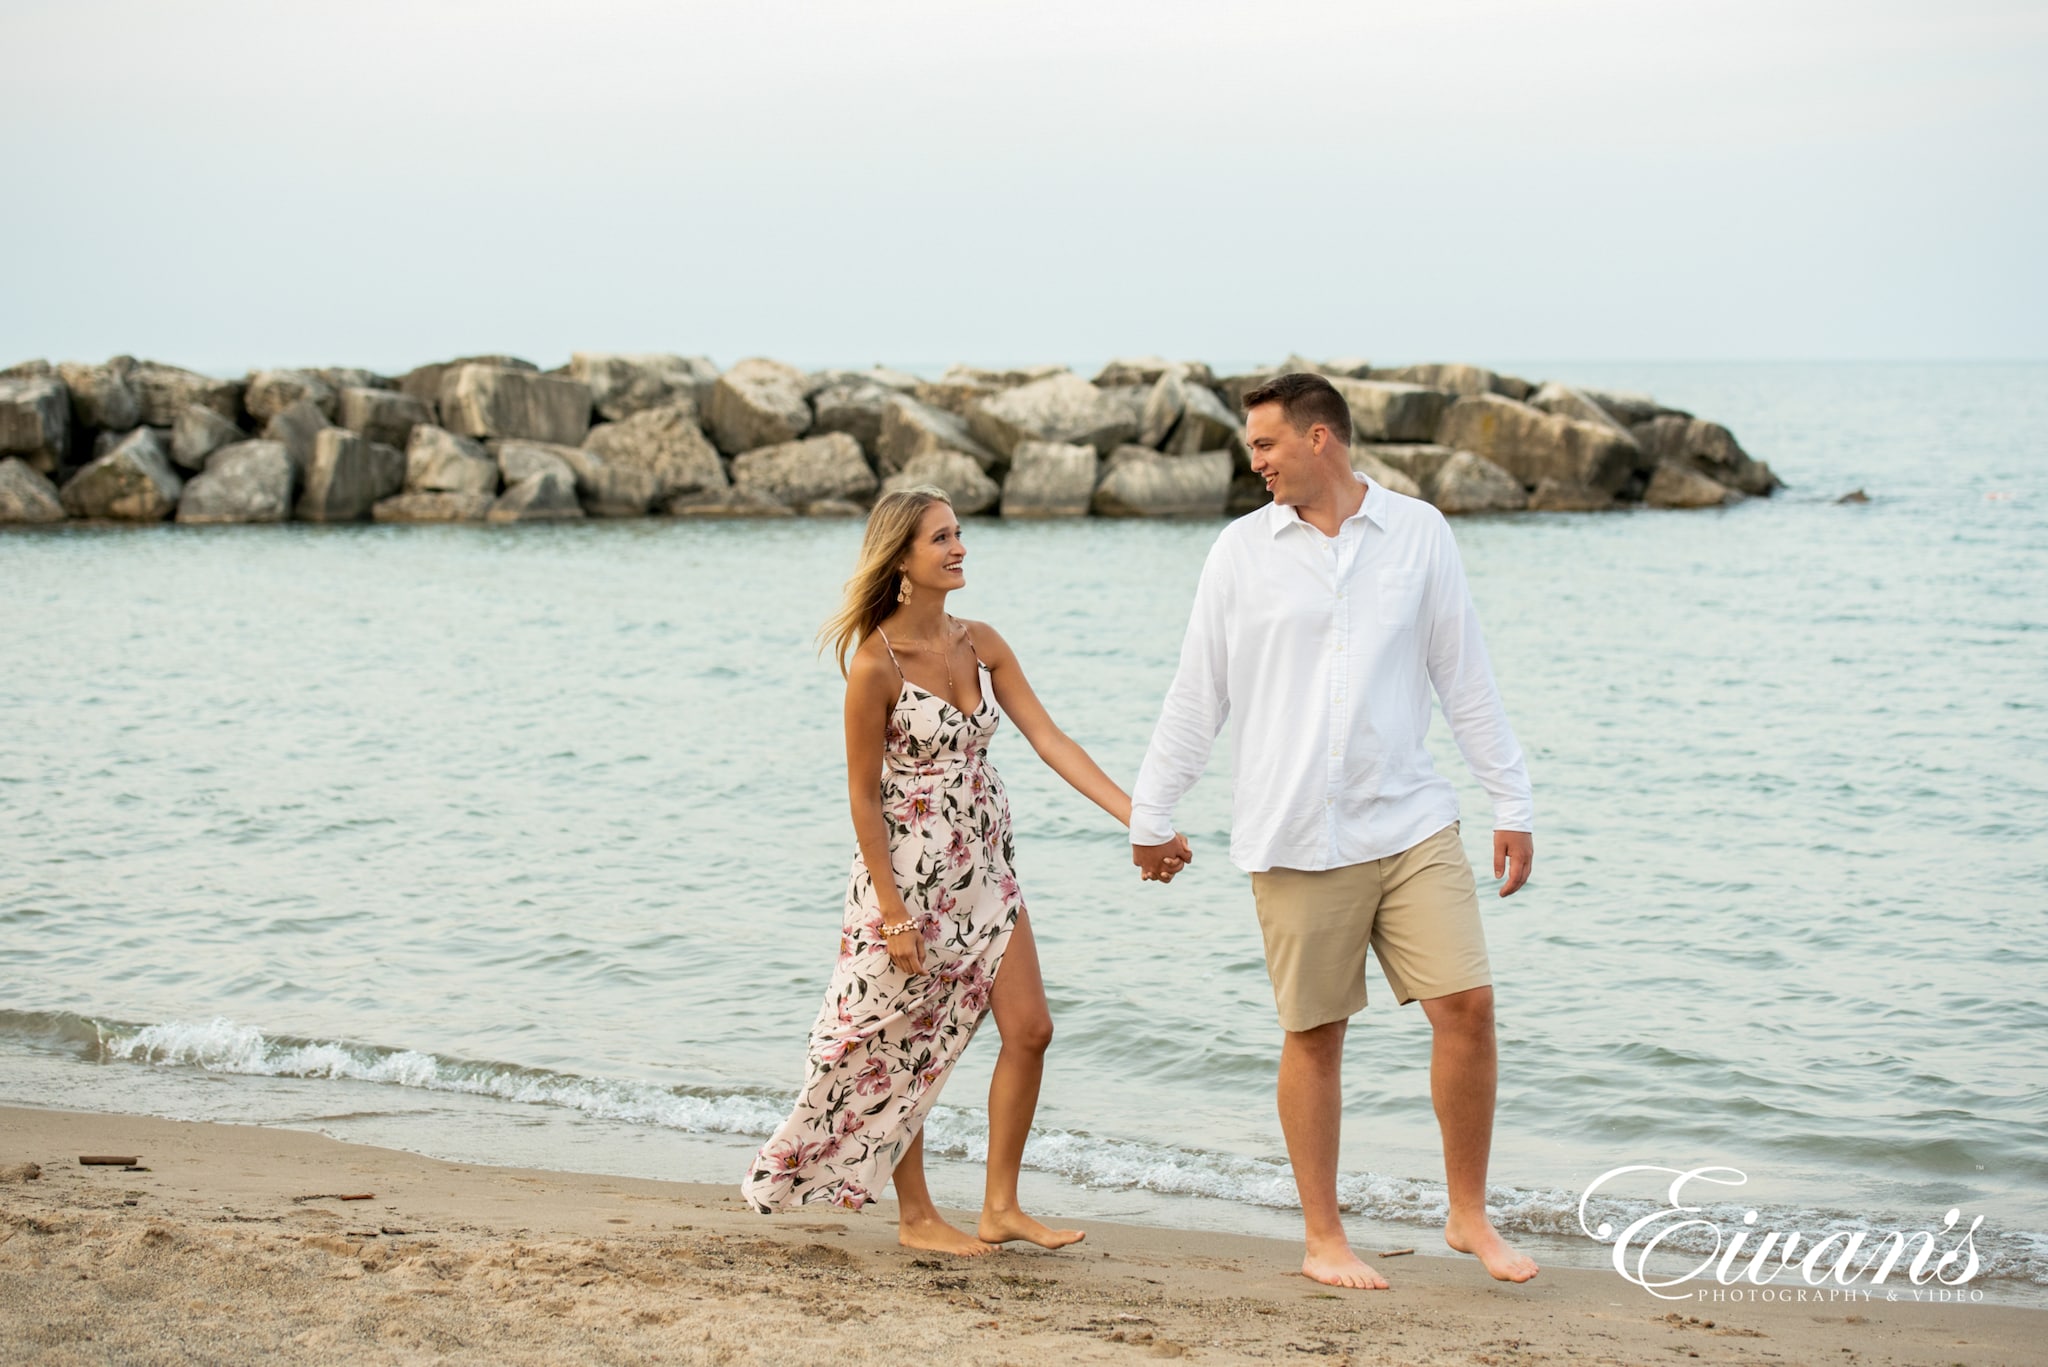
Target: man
{"type": "Point", "coordinates": [1320, 623]}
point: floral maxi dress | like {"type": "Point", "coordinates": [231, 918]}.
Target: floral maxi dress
{"type": "Point", "coordinates": [884, 1040]}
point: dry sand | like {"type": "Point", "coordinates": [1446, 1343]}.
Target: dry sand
{"type": "Point", "coordinates": [213, 1255]}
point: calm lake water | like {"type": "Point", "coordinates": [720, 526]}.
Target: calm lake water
{"type": "Point", "coordinates": [528, 844]}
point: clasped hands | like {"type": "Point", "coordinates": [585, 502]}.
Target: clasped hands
{"type": "Point", "coordinates": [1159, 863]}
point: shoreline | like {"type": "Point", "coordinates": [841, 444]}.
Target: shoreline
{"type": "Point", "coordinates": [209, 1247]}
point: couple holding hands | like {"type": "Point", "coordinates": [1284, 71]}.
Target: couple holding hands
{"type": "Point", "coordinates": [1320, 625]}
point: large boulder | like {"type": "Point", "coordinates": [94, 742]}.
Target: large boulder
{"type": "Point", "coordinates": [758, 403]}
{"type": "Point", "coordinates": [954, 396]}
{"type": "Point", "coordinates": [1470, 483]}
{"type": "Point", "coordinates": [548, 496]}
{"type": "Point", "coordinates": [1050, 479]}
{"type": "Point", "coordinates": [1132, 370]}
{"type": "Point", "coordinates": [1675, 484]}
{"type": "Point", "coordinates": [298, 427]}
{"type": "Point", "coordinates": [166, 389]}
{"type": "Point", "coordinates": [1707, 447]}
{"type": "Point", "coordinates": [901, 382]}
{"type": "Point", "coordinates": [855, 407]}
{"type": "Point", "coordinates": [1165, 403]}
{"type": "Point", "coordinates": [1627, 408]}
{"type": "Point", "coordinates": [35, 420]}
{"type": "Point", "coordinates": [665, 442]}
{"type": "Point", "coordinates": [967, 488]}
{"type": "Point", "coordinates": [1567, 402]}
{"type": "Point", "coordinates": [249, 481]}
{"type": "Point", "coordinates": [270, 392]}
{"type": "Point", "coordinates": [102, 395]}
{"type": "Point", "coordinates": [424, 382]}
{"type": "Point", "coordinates": [808, 471]}
{"type": "Point", "coordinates": [134, 482]}
{"type": "Point", "coordinates": [727, 502]}
{"type": "Point", "coordinates": [1206, 424]}
{"type": "Point", "coordinates": [340, 377]}
{"type": "Point", "coordinates": [610, 490]}
{"type": "Point", "coordinates": [434, 505]}
{"type": "Point", "coordinates": [519, 461]}
{"type": "Point", "coordinates": [386, 415]}
{"type": "Point", "coordinates": [1534, 446]}
{"type": "Point", "coordinates": [622, 383]}
{"type": "Point", "coordinates": [500, 402]}
{"type": "Point", "coordinates": [26, 494]}
{"type": "Point", "coordinates": [1004, 379]}
{"type": "Point", "coordinates": [1420, 461]}
{"type": "Point", "coordinates": [1455, 379]}
{"type": "Point", "coordinates": [347, 476]}
{"type": "Point", "coordinates": [1381, 473]}
{"type": "Point", "coordinates": [1232, 388]}
{"type": "Point", "coordinates": [1555, 496]}
{"type": "Point", "coordinates": [1060, 408]}
{"type": "Point", "coordinates": [911, 429]}
{"type": "Point", "coordinates": [1139, 482]}
{"type": "Point", "coordinates": [198, 433]}
{"type": "Point", "coordinates": [1389, 410]}
{"type": "Point", "coordinates": [439, 462]}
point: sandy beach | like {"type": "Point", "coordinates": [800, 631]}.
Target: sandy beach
{"type": "Point", "coordinates": [234, 1244]}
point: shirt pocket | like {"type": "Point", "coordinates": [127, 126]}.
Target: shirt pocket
{"type": "Point", "coordinates": [1400, 597]}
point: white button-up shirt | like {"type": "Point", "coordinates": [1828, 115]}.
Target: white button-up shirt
{"type": "Point", "coordinates": [1324, 650]}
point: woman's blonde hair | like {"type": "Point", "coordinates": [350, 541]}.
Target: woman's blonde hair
{"type": "Point", "coordinates": [871, 592]}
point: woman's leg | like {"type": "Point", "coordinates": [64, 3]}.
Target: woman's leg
{"type": "Point", "coordinates": [918, 1222]}
{"type": "Point", "coordinates": [1018, 1002]}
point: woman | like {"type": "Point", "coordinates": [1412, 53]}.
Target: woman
{"type": "Point", "coordinates": [941, 936]}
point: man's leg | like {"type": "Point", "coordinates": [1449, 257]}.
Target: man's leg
{"type": "Point", "coordinates": [1311, 1109]}
{"type": "Point", "coordinates": [1464, 1069]}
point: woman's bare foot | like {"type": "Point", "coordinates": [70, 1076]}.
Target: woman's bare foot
{"type": "Point", "coordinates": [1001, 1226]}
{"type": "Point", "coordinates": [1499, 1257]}
{"type": "Point", "coordinates": [1334, 1264]}
{"type": "Point", "coordinates": [932, 1233]}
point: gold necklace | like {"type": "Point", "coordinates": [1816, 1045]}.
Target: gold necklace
{"type": "Point", "coordinates": [947, 656]}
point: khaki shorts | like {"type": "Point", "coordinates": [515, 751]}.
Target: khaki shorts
{"type": "Point", "coordinates": [1419, 911]}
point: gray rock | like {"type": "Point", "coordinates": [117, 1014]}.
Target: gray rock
{"type": "Point", "coordinates": [911, 429]}
{"type": "Point", "coordinates": [198, 433]}
{"type": "Point", "coordinates": [1854, 496]}
{"type": "Point", "coordinates": [1350, 367]}
{"type": "Point", "coordinates": [798, 472]}
{"type": "Point", "coordinates": [298, 427]}
{"type": "Point", "coordinates": [1391, 411]}
{"type": "Point", "coordinates": [519, 461]}
{"type": "Point", "coordinates": [967, 488]}
{"type": "Point", "coordinates": [1139, 482]}
{"type": "Point", "coordinates": [270, 392]}
{"type": "Point", "coordinates": [1381, 473]}
{"type": "Point", "coordinates": [101, 395]}
{"type": "Point", "coordinates": [1004, 379]}
{"type": "Point", "coordinates": [1421, 462]}
{"type": "Point", "coordinates": [387, 470]}
{"type": "Point", "coordinates": [1677, 485]}
{"type": "Point", "coordinates": [1470, 483]}
{"type": "Point", "coordinates": [434, 505]}
{"type": "Point", "coordinates": [896, 381]}
{"type": "Point", "coordinates": [386, 415]}
{"type": "Point", "coordinates": [1534, 446]}
{"type": "Point", "coordinates": [424, 382]}
{"type": "Point", "coordinates": [953, 396]}
{"type": "Point", "coordinates": [1629, 409]}
{"type": "Point", "coordinates": [1163, 407]}
{"type": "Point", "coordinates": [727, 502]}
{"type": "Point", "coordinates": [1514, 387]}
{"type": "Point", "coordinates": [340, 377]}
{"type": "Point", "coordinates": [1132, 370]}
{"type": "Point", "coordinates": [1059, 408]}
{"type": "Point", "coordinates": [1452, 379]}
{"type": "Point", "coordinates": [439, 462]}
{"type": "Point", "coordinates": [667, 443]}
{"type": "Point", "coordinates": [758, 403]}
{"type": "Point", "coordinates": [1567, 402]}
{"type": "Point", "coordinates": [609, 490]}
{"type": "Point", "coordinates": [341, 481]}
{"type": "Point", "coordinates": [134, 482]}
{"type": "Point", "coordinates": [35, 420]}
{"type": "Point", "coordinates": [29, 370]}
{"type": "Point", "coordinates": [26, 494]}
{"type": "Point", "coordinates": [1232, 388]}
{"type": "Point", "coordinates": [248, 481]}
{"type": "Point", "coordinates": [1206, 424]}
{"type": "Point", "coordinates": [1248, 494]}
{"type": "Point", "coordinates": [855, 408]}
{"type": "Point", "coordinates": [1555, 496]}
{"type": "Point", "coordinates": [166, 389]}
{"type": "Point", "coordinates": [549, 496]}
{"type": "Point", "coordinates": [1050, 479]}
{"type": "Point", "coordinates": [622, 383]}
{"type": "Point", "coordinates": [1707, 447]}
{"type": "Point", "coordinates": [499, 402]}
{"type": "Point", "coordinates": [834, 507]}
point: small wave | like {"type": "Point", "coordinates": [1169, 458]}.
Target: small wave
{"type": "Point", "coordinates": [223, 1046]}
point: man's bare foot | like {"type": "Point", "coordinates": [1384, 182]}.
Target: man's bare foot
{"type": "Point", "coordinates": [1001, 1226]}
{"type": "Point", "coordinates": [936, 1235]}
{"type": "Point", "coordinates": [1334, 1264]}
{"type": "Point", "coordinates": [1499, 1257]}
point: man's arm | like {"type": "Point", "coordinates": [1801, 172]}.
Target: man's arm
{"type": "Point", "coordinates": [1462, 675]}
{"type": "Point", "coordinates": [1197, 704]}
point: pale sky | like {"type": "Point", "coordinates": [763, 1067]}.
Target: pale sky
{"type": "Point", "coordinates": [384, 183]}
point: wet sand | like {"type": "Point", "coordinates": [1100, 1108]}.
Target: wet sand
{"type": "Point", "coordinates": [232, 1246]}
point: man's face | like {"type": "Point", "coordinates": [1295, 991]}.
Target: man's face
{"type": "Point", "coordinates": [1286, 459]}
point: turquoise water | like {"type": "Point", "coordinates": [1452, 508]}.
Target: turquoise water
{"type": "Point", "coordinates": [528, 844]}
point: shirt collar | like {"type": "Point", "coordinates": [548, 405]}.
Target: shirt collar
{"type": "Point", "coordinates": [1280, 516]}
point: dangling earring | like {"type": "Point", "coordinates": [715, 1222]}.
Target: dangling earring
{"type": "Point", "coordinates": [903, 593]}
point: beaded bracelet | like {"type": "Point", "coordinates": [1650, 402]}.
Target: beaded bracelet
{"type": "Point", "coordinates": [898, 929]}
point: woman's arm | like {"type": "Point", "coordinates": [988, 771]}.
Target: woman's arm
{"type": "Point", "coordinates": [1061, 753]}
{"type": "Point", "coordinates": [871, 692]}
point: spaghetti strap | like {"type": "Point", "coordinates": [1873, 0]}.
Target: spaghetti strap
{"type": "Point", "coordinates": [973, 647]}
{"type": "Point", "coordinates": [892, 654]}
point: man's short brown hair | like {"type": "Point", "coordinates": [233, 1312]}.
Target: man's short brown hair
{"type": "Point", "coordinates": [1306, 399]}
